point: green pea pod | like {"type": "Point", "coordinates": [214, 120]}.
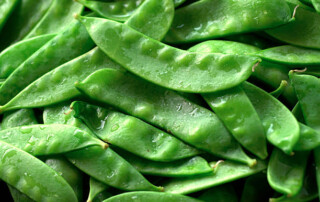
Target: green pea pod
{"type": "Point", "coordinates": [41, 183]}
{"type": "Point", "coordinates": [185, 167]}
{"type": "Point", "coordinates": [212, 19]}
{"type": "Point", "coordinates": [6, 8]}
{"type": "Point", "coordinates": [164, 108]}
{"type": "Point", "coordinates": [280, 125]}
{"type": "Point", "coordinates": [280, 90]}
{"type": "Point", "coordinates": [22, 20]}
{"type": "Point", "coordinates": [304, 31]}
{"type": "Point", "coordinates": [21, 117]}
{"type": "Point", "coordinates": [153, 18]}
{"type": "Point", "coordinates": [16, 54]}
{"type": "Point", "coordinates": [225, 172]}
{"type": "Point", "coordinates": [17, 196]}
{"type": "Point", "coordinates": [286, 173]}
{"type": "Point", "coordinates": [70, 173]}
{"type": "Point", "coordinates": [1, 82]}
{"type": "Point", "coordinates": [58, 17]}
{"type": "Point", "coordinates": [221, 193]}
{"type": "Point", "coordinates": [59, 83]}
{"type": "Point", "coordinates": [96, 188]}
{"type": "Point", "coordinates": [237, 113]}
{"type": "Point", "coordinates": [115, 10]}
{"type": "Point", "coordinates": [251, 39]}
{"type": "Point", "coordinates": [178, 2]}
{"type": "Point", "coordinates": [67, 45]}
{"type": "Point", "coordinates": [316, 5]}
{"type": "Point", "coordinates": [48, 139]}
{"type": "Point", "coordinates": [309, 139]}
{"type": "Point", "coordinates": [132, 134]}
{"type": "Point", "coordinates": [150, 197]}
{"type": "Point", "coordinates": [256, 188]}
{"type": "Point", "coordinates": [290, 55]}
{"type": "Point", "coordinates": [165, 65]}
{"type": "Point", "coordinates": [297, 112]}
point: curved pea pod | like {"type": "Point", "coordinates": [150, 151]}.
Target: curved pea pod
{"type": "Point", "coordinates": [165, 65]}
{"type": "Point", "coordinates": [316, 5]}
{"type": "Point", "coordinates": [164, 108]}
{"type": "Point", "coordinates": [59, 83]}
{"type": "Point", "coordinates": [22, 20]}
{"type": "Point", "coordinates": [32, 177]}
{"type": "Point", "coordinates": [96, 188]}
{"type": "Point", "coordinates": [221, 193]}
{"type": "Point", "coordinates": [132, 134]}
{"type": "Point", "coordinates": [256, 188]}
{"type": "Point", "coordinates": [115, 10]}
{"type": "Point", "coordinates": [304, 31]}
{"type": "Point", "coordinates": [225, 172]}
{"type": "Point", "coordinates": [290, 55]}
{"type": "Point", "coordinates": [110, 168]}
{"type": "Point", "coordinates": [58, 17]}
{"type": "Point", "coordinates": [21, 117]}
{"type": "Point", "coordinates": [286, 173]}
{"type": "Point", "coordinates": [48, 139]}
{"type": "Point", "coordinates": [280, 90]}
{"type": "Point", "coordinates": [212, 19]}
{"type": "Point", "coordinates": [150, 197]}
{"type": "Point", "coordinates": [281, 127]}
{"type": "Point", "coordinates": [185, 167]}
{"type": "Point", "coordinates": [15, 55]}
{"type": "Point", "coordinates": [309, 139]}
{"type": "Point", "coordinates": [6, 8]}
{"type": "Point", "coordinates": [178, 2]}
{"type": "Point", "coordinates": [237, 113]}
{"type": "Point", "coordinates": [153, 18]}
{"type": "Point", "coordinates": [67, 45]}
{"type": "Point", "coordinates": [70, 173]}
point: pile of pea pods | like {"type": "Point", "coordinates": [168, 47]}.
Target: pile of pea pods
{"type": "Point", "coordinates": [160, 100]}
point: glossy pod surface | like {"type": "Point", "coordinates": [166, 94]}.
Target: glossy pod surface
{"type": "Point", "coordinates": [165, 65]}
{"type": "Point", "coordinates": [6, 8]}
{"type": "Point", "coordinates": [96, 188]}
{"type": "Point", "coordinates": [17, 118]}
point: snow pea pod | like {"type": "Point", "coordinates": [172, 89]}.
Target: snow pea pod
{"type": "Point", "coordinates": [67, 45]}
{"type": "Point", "coordinates": [290, 55]}
{"type": "Point", "coordinates": [256, 188]}
{"type": "Point", "coordinates": [48, 139]}
{"type": "Point", "coordinates": [165, 65]}
{"type": "Point", "coordinates": [164, 108]}
{"type": "Point", "coordinates": [297, 112]}
{"type": "Point", "coordinates": [153, 18]}
{"type": "Point", "coordinates": [221, 193]}
{"type": "Point", "coordinates": [309, 139]}
{"type": "Point", "coordinates": [285, 173]}
{"type": "Point", "coordinates": [96, 188]}
{"type": "Point", "coordinates": [225, 172]}
{"type": "Point", "coordinates": [22, 20]}
{"type": "Point", "coordinates": [58, 85]}
{"type": "Point", "coordinates": [316, 5]}
{"type": "Point", "coordinates": [57, 18]}
{"type": "Point", "coordinates": [41, 183]}
{"type": "Point", "coordinates": [6, 8]}
{"type": "Point", "coordinates": [304, 31]}
{"type": "Point", "coordinates": [16, 54]}
{"type": "Point", "coordinates": [207, 19]}
{"type": "Point", "coordinates": [150, 197]}
{"type": "Point", "coordinates": [280, 125]}
{"type": "Point", "coordinates": [115, 10]}
{"type": "Point", "coordinates": [21, 117]}
{"type": "Point", "coordinates": [132, 134]}
{"type": "Point", "coordinates": [237, 113]}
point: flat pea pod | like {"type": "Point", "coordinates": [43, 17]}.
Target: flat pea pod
{"type": "Point", "coordinates": [57, 18]}
{"type": "Point", "coordinates": [58, 84]}
{"type": "Point", "coordinates": [150, 197]}
{"type": "Point", "coordinates": [67, 45]}
{"type": "Point", "coordinates": [285, 173]}
{"type": "Point", "coordinates": [164, 108]}
{"type": "Point", "coordinates": [208, 19]}
{"type": "Point", "coordinates": [96, 188]}
{"type": "Point", "coordinates": [221, 193]}
{"type": "Point", "coordinates": [15, 55]}
{"type": "Point", "coordinates": [316, 5]}
{"type": "Point", "coordinates": [256, 188]}
{"type": "Point", "coordinates": [181, 168]}
{"type": "Point", "coordinates": [17, 118]}
{"type": "Point", "coordinates": [290, 55]}
{"type": "Point", "coordinates": [6, 8]}
{"type": "Point", "coordinates": [225, 172]}
{"type": "Point", "coordinates": [309, 139]}
{"type": "Point", "coordinates": [22, 20]}
{"type": "Point", "coordinates": [165, 65]}
{"type": "Point", "coordinates": [70, 173]}
{"type": "Point", "coordinates": [281, 127]}
{"type": "Point", "coordinates": [115, 10]}
{"type": "Point", "coordinates": [41, 183]}
{"type": "Point", "coordinates": [304, 31]}
{"type": "Point", "coordinates": [153, 18]}
{"type": "Point", "coordinates": [132, 134]}
{"type": "Point", "coordinates": [237, 113]}
{"type": "Point", "coordinates": [48, 139]}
